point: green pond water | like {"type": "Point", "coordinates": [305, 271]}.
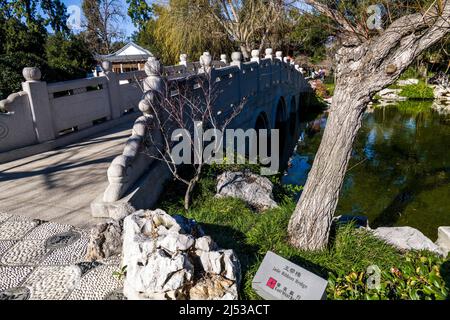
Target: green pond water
{"type": "Point", "coordinates": [399, 174]}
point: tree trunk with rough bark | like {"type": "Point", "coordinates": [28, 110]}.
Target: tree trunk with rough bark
{"type": "Point", "coordinates": [363, 69]}
{"type": "Point", "coordinates": [314, 212]}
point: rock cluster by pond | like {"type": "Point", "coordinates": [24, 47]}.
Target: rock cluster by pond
{"type": "Point", "coordinates": [170, 257]}
{"type": "Point", "coordinates": [407, 238]}
{"type": "Point", "coordinates": [255, 190]}
{"type": "Point", "coordinates": [403, 238]}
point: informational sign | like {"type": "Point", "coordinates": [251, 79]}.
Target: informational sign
{"type": "Point", "coordinates": [280, 279]}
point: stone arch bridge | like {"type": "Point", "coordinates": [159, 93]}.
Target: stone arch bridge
{"type": "Point", "coordinates": [72, 151]}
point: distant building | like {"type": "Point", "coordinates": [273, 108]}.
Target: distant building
{"type": "Point", "coordinates": [130, 58]}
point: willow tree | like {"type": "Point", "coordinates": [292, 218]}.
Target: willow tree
{"type": "Point", "coordinates": [371, 57]}
{"type": "Point", "coordinates": [249, 24]}
{"type": "Point", "coordinates": [179, 27]}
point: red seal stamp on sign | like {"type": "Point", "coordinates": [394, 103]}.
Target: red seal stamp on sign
{"type": "Point", "coordinates": [271, 283]}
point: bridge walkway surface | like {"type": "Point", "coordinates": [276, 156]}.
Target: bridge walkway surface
{"type": "Point", "coordinates": [44, 215]}
{"type": "Point", "coordinates": [59, 185]}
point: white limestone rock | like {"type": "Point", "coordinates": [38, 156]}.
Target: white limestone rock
{"type": "Point", "coordinates": [170, 258]}
{"type": "Point", "coordinates": [408, 82]}
{"type": "Point", "coordinates": [175, 242]}
{"type": "Point", "coordinates": [443, 240]}
{"type": "Point", "coordinates": [406, 238]}
{"type": "Point", "coordinates": [231, 266]}
{"type": "Point", "coordinates": [211, 261]}
{"type": "Point", "coordinates": [205, 243]}
{"type": "Point", "coordinates": [214, 288]}
{"type": "Point", "coordinates": [391, 94]}
{"type": "Point", "coordinates": [253, 189]}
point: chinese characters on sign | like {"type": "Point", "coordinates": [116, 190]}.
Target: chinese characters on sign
{"type": "Point", "coordinates": [280, 279]}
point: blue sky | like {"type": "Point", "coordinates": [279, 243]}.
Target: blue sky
{"type": "Point", "coordinates": [126, 25]}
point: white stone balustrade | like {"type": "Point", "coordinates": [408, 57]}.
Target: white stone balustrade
{"type": "Point", "coordinates": [45, 112]}
{"type": "Point", "coordinates": [42, 112]}
{"type": "Point", "coordinates": [250, 80]}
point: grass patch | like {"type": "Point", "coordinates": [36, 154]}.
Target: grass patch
{"type": "Point", "coordinates": [233, 225]}
{"type": "Point", "coordinates": [420, 91]}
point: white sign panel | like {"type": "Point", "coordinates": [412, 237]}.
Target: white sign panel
{"type": "Point", "coordinates": [280, 279]}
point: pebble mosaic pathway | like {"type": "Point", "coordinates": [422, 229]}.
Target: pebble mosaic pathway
{"type": "Point", "coordinates": [42, 260]}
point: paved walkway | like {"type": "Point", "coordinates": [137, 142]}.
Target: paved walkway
{"type": "Point", "coordinates": [59, 185]}
{"type": "Point", "coordinates": [45, 261]}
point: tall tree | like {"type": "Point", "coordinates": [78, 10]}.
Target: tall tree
{"type": "Point", "coordinates": [102, 23]}
{"type": "Point", "coordinates": [140, 12]}
{"type": "Point", "coordinates": [56, 12]}
{"type": "Point", "coordinates": [370, 59]}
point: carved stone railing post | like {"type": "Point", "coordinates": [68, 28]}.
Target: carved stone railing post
{"type": "Point", "coordinates": [154, 81]}
{"type": "Point", "coordinates": [279, 55]}
{"type": "Point", "coordinates": [255, 56]}
{"type": "Point", "coordinates": [236, 58]}
{"type": "Point", "coordinates": [224, 58]}
{"type": "Point", "coordinates": [183, 59]}
{"type": "Point", "coordinates": [39, 103]}
{"type": "Point", "coordinates": [205, 62]}
{"type": "Point", "coordinates": [115, 99]}
{"type": "Point", "coordinates": [269, 53]}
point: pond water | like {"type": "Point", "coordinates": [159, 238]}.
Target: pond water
{"type": "Point", "coordinates": [399, 174]}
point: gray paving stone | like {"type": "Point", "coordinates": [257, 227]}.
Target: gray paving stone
{"type": "Point", "coordinates": [97, 284]}
{"type": "Point", "coordinates": [11, 277]}
{"type": "Point", "coordinates": [47, 230]}
{"type": "Point", "coordinates": [71, 254]}
{"type": "Point", "coordinates": [16, 293]}
{"type": "Point", "coordinates": [53, 282]}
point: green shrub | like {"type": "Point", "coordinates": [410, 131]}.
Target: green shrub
{"type": "Point", "coordinates": [420, 277]}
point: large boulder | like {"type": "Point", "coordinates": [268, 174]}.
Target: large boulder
{"type": "Point", "coordinates": [406, 238]}
{"type": "Point", "coordinates": [170, 258]}
{"type": "Point", "coordinates": [253, 189]}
